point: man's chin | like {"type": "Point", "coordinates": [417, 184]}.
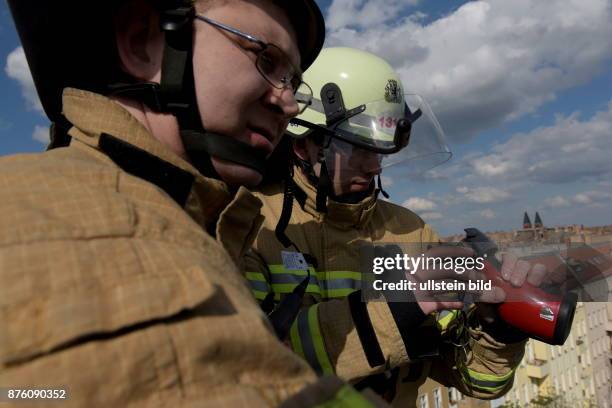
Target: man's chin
{"type": "Point", "coordinates": [236, 174]}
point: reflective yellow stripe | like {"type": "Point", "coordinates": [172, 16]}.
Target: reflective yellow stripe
{"type": "Point", "coordinates": [339, 293]}
{"type": "Point", "coordinates": [317, 339]}
{"type": "Point", "coordinates": [255, 276]}
{"type": "Point", "coordinates": [321, 275]}
{"type": "Point", "coordinates": [490, 377]}
{"type": "Point", "coordinates": [288, 288]}
{"type": "Point", "coordinates": [259, 295]}
{"type": "Point", "coordinates": [487, 382]}
{"type": "Point", "coordinates": [327, 284]}
{"type": "Point", "coordinates": [296, 343]}
{"type": "Point", "coordinates": [445, 321]}
{"type": "Point", "coordinates": [346, 397]}
{"type": "Point", "coordinates": [275, 269]}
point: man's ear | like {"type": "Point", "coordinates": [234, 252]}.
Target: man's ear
{"type": "Point", "coordinates": [300, 149]}
{"type": "Point", "coordinates": [140, 42]}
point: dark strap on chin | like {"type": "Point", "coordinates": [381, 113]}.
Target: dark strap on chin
{"type": "Point", "coordinates": [175, 181]}
{"type": "Point", "coordinates": [323, 189]}
{"type": "Point", "coordinates": [223, 147]}
{"type": "Point", "coordinates": [285, 216]}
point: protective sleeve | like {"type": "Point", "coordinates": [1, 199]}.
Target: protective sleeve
{"type": "Point", "coordinates": [354, 339]}
{"type": "Point", "coordinates": [484, 369]}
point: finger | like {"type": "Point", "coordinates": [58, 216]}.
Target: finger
{"type": "Point", "coordinates": [495, 295]}
{"type": "Point", "coordinates": [519, 274]}
{"type": "Point", "coordinates": [508, 264]}
{"type": "Point", "coordinates": [473, 275]}
{"type": "Point", "coordinates": [537, 274]}
{"type": "Point", "coordinates": [449, 305]}
{"type": "Point", "coordinates": [486, 312]}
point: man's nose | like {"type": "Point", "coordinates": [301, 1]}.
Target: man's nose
{"type": "Point", "coordinates": [371, 163]}
{"type": "Point", "coordinates": [284, 101]}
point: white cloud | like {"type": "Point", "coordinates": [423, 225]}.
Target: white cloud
{"type": "Point", "coordinates": [17, 68]}
{"type": "Point", "coordinates": [484, 195]}
{"type": "Point", "coordinates": [41, 134]}
{"type": "Point", "coordinates": [364, 13]}
{"type": "Point", "coordinates": [570, 150]}
{"type": "Point", "coordinates": [487, 214]}
{"type": "Point", "coordinates": [487, 62]}
{"type": "Point", "coordinates": [430, 216]}
{"type": "Point", "coordinates": [556, 202]}
{"type": "Point", "coordinates": [419, 204]}
{"type": "Point", "coordinates": [592, 197]}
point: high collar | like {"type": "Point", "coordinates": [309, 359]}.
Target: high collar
{"type": "Point", "coordinates": [94, 115]}
{"type": "Point", "coordinates": [341, 215]}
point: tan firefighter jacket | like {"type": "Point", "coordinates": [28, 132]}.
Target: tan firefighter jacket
{"type": "Point", "coordinates": [337, 336]}
{"type": "Point", "coordinates": [119, 282]}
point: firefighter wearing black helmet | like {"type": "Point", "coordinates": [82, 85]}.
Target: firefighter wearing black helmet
{"type": "Point", "coordinates": [118, 243]}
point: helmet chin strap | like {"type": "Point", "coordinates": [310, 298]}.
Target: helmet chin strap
{"type": "Point", "coordinates": [176, 94]}
{"type": "Point", "coordinates": [379, 188]}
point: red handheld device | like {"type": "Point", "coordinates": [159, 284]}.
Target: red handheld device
{"type": "Point", "coordinates": [539, 314]}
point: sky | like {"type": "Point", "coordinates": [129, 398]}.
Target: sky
{"type": "Point", "coordinates": [522, 89]}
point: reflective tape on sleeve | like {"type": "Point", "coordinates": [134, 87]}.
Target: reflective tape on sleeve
{"type": "Point", "coordinates": [486, 382]}
{"type": "Point", "coordinates": [306, 340]}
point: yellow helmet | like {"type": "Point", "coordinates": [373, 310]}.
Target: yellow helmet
{"type": "Point", "coordinates": [359, 99]}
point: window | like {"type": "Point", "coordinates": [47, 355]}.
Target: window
{"type": "Point", "coordinates": [517, 397]}
{"type": "Point", "coordinates": [563, 387]}
{"type": "Point", "coordinates": [423, 402]}
{"type": "Point", "coordinates": [575, 374]}
{"type": "Point", "coordinates": [437, 394]}
{"type": "Point", "coordinates": [453, 394]}
{"type": "Point", "coordinates": [556, 386]}
{"type": "Point", "coordinates": [588, 356]}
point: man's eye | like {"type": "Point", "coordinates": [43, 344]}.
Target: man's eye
{"type": "Point", "coordinates": [266, 63]}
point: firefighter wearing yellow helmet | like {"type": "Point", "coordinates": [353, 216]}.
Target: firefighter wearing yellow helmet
{"type": "Point", "coordinates": [305, 267]}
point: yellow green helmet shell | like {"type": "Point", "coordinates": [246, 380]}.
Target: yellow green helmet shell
{"type": "Point", "coordinates": [363, 79]}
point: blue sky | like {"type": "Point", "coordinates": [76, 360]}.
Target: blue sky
{"type": "Point", "coordinates": [523, 90]}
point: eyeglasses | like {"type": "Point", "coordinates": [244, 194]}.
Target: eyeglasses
{"type": "Point", "coordinates": [273, 65]}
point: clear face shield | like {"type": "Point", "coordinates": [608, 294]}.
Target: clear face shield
{"type": "Point", "coordinates": [380, 134]}
{"type": "Point", "coordinates": [409, 134]}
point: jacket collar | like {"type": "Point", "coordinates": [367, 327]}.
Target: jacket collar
{"type": "Point", "coordinates": [206, 200]}
{"type": "Point", "coordinates": [341, 215]}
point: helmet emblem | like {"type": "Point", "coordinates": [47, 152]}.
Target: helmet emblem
{"type": "Point", "coordinates": [392, 92]}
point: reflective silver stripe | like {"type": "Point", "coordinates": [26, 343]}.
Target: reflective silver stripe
{"type": "Point", "coordinates": [344, 283]}
{"type": "Point", "coordinates": [280, 278]}
{"type": "Point", "coordinates": [490, 383]}
{"type": "Point", "coordinates": [259, 285]}
{"type": "Point", "coordinates": [487, 385]}
{"type": "Point", "coordinates": [341, 284]}
{"type": "Point", "coordinates": [307, 345]}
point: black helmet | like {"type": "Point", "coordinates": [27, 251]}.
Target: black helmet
{"type": "Point", "coordinates": [71, 43]}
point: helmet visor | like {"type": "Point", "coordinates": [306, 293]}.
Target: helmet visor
{"type": "Point", "coordinates": [421, 146]}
